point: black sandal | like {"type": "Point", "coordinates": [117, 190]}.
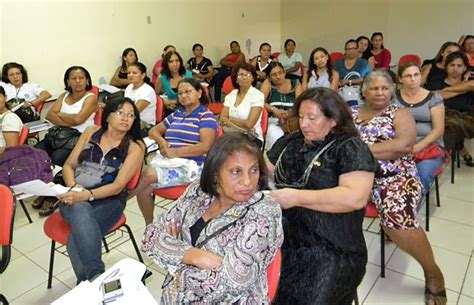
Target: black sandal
{"type": "Point", "coordinates": [38, 203]}
{"type": "Point", "coordinates": [468, 159]}
{"type": "Point", "coordinates": [48, 208]}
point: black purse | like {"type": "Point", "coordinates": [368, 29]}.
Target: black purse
{"type": "Point", "coordinates": [26, 114]}
{"type": "Point", "coordinates": [61, 137]}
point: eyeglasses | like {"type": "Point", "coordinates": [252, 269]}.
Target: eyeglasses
{"type": "Point", "coordinates": [276, 74]}
{"type": "Point", "coordinates": [181, 93]}
{"type": "Point", "coordinates": [122, 114]}
{"type": "Point", "coordinates": [244, 75]}
{"type": "Point", "coordinates": [415, 75]}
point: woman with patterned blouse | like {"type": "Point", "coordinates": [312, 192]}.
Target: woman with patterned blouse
{"type": "Point", "coordinates": [219, 238]}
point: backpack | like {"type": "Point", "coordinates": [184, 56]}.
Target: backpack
{"type": "Point", "coordinates": [24, 163]}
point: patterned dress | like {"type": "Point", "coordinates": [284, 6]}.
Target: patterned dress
{"type": "Point", "coordinates": [247, 236]}
{"type": "Point", "coordinates": [397, 187]}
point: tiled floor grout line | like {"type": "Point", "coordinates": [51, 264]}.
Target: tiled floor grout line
{"type": "Point", "coordinates": [464, 278]}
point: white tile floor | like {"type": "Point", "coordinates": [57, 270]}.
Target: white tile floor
{"type": "Point", "coordinates": [451, 235]}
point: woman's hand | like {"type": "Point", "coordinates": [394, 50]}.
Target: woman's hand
{"type": "Point", "coordinates": [70, 198]}
{"type": "Point", "coordinates": [287, 197]}
{"type": "Point", "coordinates": [201, 259]}
{"type": "Point", "coordinates": [173, 228]}
{"type": "Point", "coordinates": [170, 104]}
{"type": "Point", "coordinates": [169, 152]}
{"type": "Point", "coordinates": [418, 147]}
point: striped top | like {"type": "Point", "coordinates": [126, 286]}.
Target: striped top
{"type": "Point", "coordinates": [182, 131]}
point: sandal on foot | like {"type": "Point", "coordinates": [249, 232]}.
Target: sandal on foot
{"type": "Point", "coordinates": [439, 298]}
{"type": "Point", "coordinates": [468, 159]}
{"type": "Point", "coordinates": [38, 203]}
{"type": "Point", "coordinates": [48, 208]}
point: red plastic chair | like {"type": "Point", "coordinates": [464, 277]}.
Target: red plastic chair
{"type": "Point", "coordinates": [264, 125]}
{"type": "Point", "coordinates": [372, 212]}
{"type": "Point", "coordinates": [7, 214]}
{"type": "Point", "coordinates": [273, 275]}
{"type": "Point", "coordinates": [227, 87]}
{"type": "Point", "coordinates": [160, 104]}
{"type": "Point", "coordinates": [95, 90]}
{"type": "Point", "coordinates": [98, 117]}
{"type": "Point", "coordinates": [409, 57]}
{"type": "Point", "coordinates": [438, 172]}
{"type": "Point", "coordinates": [276, 54]}
{"type": "Point", "coordinates": [58, 231]}
{"type": "Point", "coordinates": [23, 135]}
{"type": "Point", "coordinates": [215, 108]}
{"type": "Point", "coordinates": [335, 56]}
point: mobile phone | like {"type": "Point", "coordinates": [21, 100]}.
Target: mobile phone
{"type": "Point", "coordinates": [112, 290]}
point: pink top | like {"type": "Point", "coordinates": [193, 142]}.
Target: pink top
{"type": "Point", "coordinates": [154, 76]}
{"type": "Point", "coordinates": [382, 60]}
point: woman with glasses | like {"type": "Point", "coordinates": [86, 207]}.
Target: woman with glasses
{"type": "Point", "coordinates": [243, 106]}
{"type": "Point", "coordinates": [428, 110]}
{"type": "Point", "coordinates": [95, 206]}
{"type": "Point", "coordinates": [140, 91]}
{"type": "Point", "coordinates": [280, 94]}
{"type": "Point", "coordinates": [324, 174]}
{"type": "Point", "coordinates": [187, 133]}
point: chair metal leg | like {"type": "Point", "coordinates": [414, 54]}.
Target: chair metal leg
{"type": "Point", "coordinates": [427, 203]}
{"type": "Point", "coordinates": [382, 252]}
{"type": "Point", "coordinates": [438, 201]}
{"type": "Point", "coordinates": [3, 300]}
{"type": "Point", "coordinates": [106, 246]}
{"type": "Point", "coordinates": [26, 211]}
{"type": "Point", "coordinates": [453, 160]}
{"type": "Point", "coordinates": [356, 299]}
{"type": "Point", "coordinates": [457, 158]}
{"type": "Point", "coordinates": [51, 264]}
{"type": "Point", "coordinates": [132, 238]}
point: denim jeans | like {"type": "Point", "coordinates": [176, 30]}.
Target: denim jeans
{"type": "Point", "coordinates": [426, 170]}
{"type": "Point", "coordinates": [90, 222]}
{"type": "Point", "coordinates": [58, 156]}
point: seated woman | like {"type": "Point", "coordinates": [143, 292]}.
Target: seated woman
{"type": "Point", "coordinates": [200, 66]}
{"type": "Point", "coordinates": [187, 133]}
{"type": "Point", "coordinates": [155, 73]}
{"type": "Point", "coordinates": [218, 239]}
{"type": "Point", "coordinates": [432, 73]}
{"type": "Point", "coordinates": [365, 48]}
{"type": "Point", "coordinates": [71, 113]}
{"type": "Point", "coordinates": [94, 211]}
{"type": "Point", "coordinates": [280, 94]}
{"type": "Point", "coordinates": [262, 61]}
{"type": "Point", "coordinates": [467, 44]}
{"type": "Point", "coordinates": [243, 106]}
{"type": "Point", "coordinates": [428, 110]}
{"type": "Point", "coordinates": [120, 78]}
{"type": "Point", "coordinates": [324, 174]}
{"type": "Point", "coordinates": [390, 132]}
{"type": "Point", "coordinates": [320, 72]}
{"type": "Point", "coordinates": [15, 78]}
{"type": "Point", "coordinates": [227, 63]}
{"type": "Point", "coordinates": [167, 83]}
{"type": "Point", "coordinates": [381, 55]}
{"type": "Point", "coordinates": [459, 118]}
{"type": "Point", "coordinates": [142, 94]}
{"type": "Point", "coordinates": [10, 124]}
{"type": "Point", "coordinates": [291, 60]}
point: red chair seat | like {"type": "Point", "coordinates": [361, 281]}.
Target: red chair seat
{"type": "Point", "coordinates": [273, 275]}
{"type": "Point", "coordinates": [371, 210]}
{"type": "Point", "coordinates": [438, 171]}
{"type": "Point", "coordinates": [171, 193]}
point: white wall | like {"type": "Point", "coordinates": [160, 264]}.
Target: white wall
{"type": "Point", "coordinates": [409, 26]}
{"type": "Point", "coordinates": [49, 36]}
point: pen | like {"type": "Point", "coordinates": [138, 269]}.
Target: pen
{"type": "Point", "coordinates": [59, 200]}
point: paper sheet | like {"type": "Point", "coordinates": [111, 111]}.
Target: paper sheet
{"type": "Point", "coordinates": [40, 188]}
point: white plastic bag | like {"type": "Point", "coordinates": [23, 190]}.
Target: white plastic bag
{"type": "Point", "coordinates": [175, 171]}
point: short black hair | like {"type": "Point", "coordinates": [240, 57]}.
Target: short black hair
{"type": "Point", "coordinates": [68, 73]}
{"type": "Point", "coordinates": [125, 53]}
{"type": "Point", "coordinates": [2, 91]}
{"type": "Point", "coordinates": [197, 86]}
{"type": "Point", "coordinates": [288, 41]}
{"type": "Point", "coordinates": [245, 66]}
{"type": "Point", "coordinates": [226, 145]}
{"type": "Point", "coordinates": [197, 45]}
{"type": "Point", "coordinates": [165, 70]}
{"type": "Point", "coordinates": [263, 45]}
{"type": "Point", "coordinates": [11, 65]}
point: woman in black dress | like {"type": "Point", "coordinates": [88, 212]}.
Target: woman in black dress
{"type": "Point", "coordinates": [324, 173]}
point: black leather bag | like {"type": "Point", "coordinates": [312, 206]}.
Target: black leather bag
{"type": "Point", "coordinates": [61, 137]}
{"type": "Point", "coordinates": [26, 114]}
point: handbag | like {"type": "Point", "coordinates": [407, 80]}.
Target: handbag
{"type": "Point", "coordinates": [351, 93]}
{"type": "Point", "coordinates": [175, 171]}
{"type": "Point", "coordinates": [61, 137]}
{"type": "Point", "coordinates": [92, 175]}
{"type": "Point", "coordinates": [26, 114]}
{"type": "Point", "coordinates": [431, 151]}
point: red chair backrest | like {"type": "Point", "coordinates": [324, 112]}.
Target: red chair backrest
{"type": "Point", "coordinates": [220, 131]}
{"type": "Point", "coordinates": [273, 275]}
{"type": "Point", "coordinates": [95, 90]}
{"type": "Point", "coordinates": [276, 54]}
{"type": "Point", "coordinates": [264, 122]}
{"type": "Point", "coordinates": [98, 117]}
{"type": "Point", "coordinates": [409, 57]}
{"type": "Point", "coordinates": [227, 87]}
{"type": "Point", "coordinates": [215, 108]}
{"type": "Point", "coordinates": [134, 182]}
{"type": "Point", "coordinates": [39, 107]}
{"type": "Point", "coordinates": [23, 135]}
{"type": "Point", "coordinates": [335, 56]}
{"type": "Point", "coordinates": [7, 208]}
{"type": "Point", "coordinates": [159, 109]}
{"type": "Point", "coordinates": [371, 210]}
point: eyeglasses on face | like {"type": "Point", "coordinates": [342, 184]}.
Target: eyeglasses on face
{"type": "Point", "coordinates": [244, 75]}
{"type": "Point", "coordinates": [122, 114]}
{"type": "Point", "coordinates": [185, 92]}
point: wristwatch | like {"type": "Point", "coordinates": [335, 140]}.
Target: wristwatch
{"type": "Point", "coordinates": [91, 197]}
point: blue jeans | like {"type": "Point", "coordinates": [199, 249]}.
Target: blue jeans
{"type": "Point", "coordinates": [90, 222]}
{"type": "Point", "coordinates": [426, 170]}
